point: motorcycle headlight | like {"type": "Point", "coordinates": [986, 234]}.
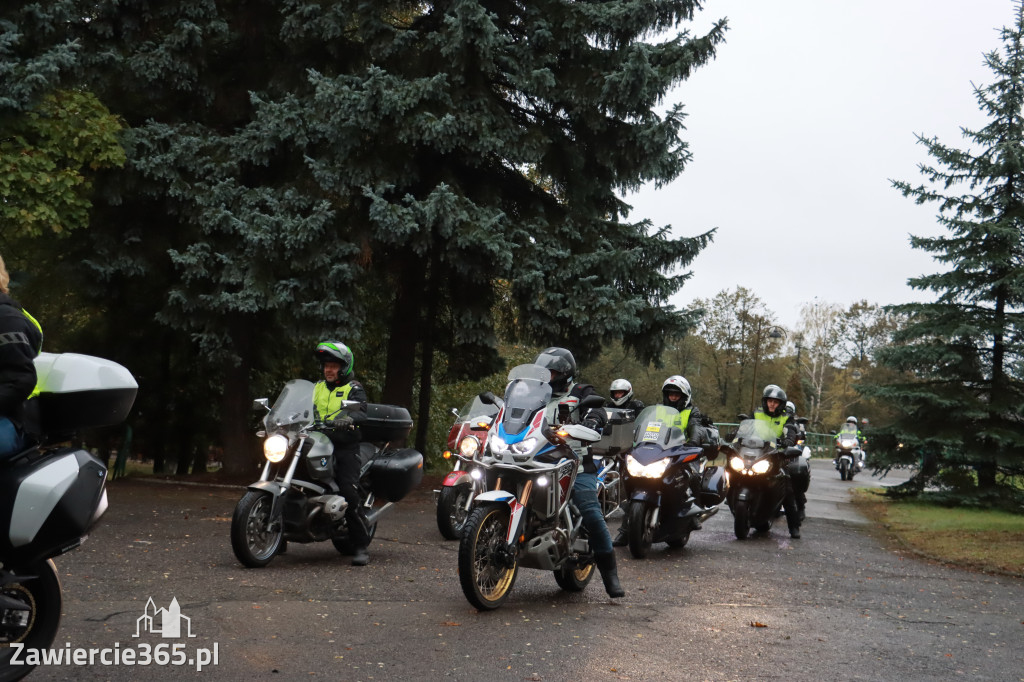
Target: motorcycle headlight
{"type": "Point", "coordinates": [761, 466]}
{"type": "Point", "coordinates": [652, 470]}
{"type": "Point", "coordinates": [525, 446]}
{"type": "Point", "coordinates": [736, 463]}
{"type": "Point", "coordinates": [275, 448]}
{"type": "Point", "coordinates": [848, 443]}
{"type": "Point", "coordinates": [469, 446]}
{"type": "Point", "coordinates": [497, 445]}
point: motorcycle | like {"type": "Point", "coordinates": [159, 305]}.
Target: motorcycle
{"type": "Point", "coordinates": [525, 518]}
{"type": "Point", "coordinates": [670, 488]}
{"type": "Point", "coordinates": [464, 481]}
{"type": "Point", "coordinates": [849, 456]}
{"type": "Point", "coordinates": [609, 452]}
{"type": "Point", "coordinates": [758, 482]}
{"type": "Point", "coordinates": [799, 469]}
{"type": "Point", "coordinates": [296, 498]}
{"type": "Point", "coordinates": [52, 495]}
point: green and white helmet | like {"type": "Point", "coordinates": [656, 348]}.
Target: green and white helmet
{"type": "Point", "coordinates": [336, 351]}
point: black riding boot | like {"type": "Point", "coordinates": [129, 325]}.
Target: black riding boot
{"type": "Point", "coordinates": [622, 539]}
{"type": "Point", "coordinates": [609, 574]}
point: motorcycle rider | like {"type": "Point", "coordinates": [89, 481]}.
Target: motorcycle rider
{"type": "Point", "coordinates": [337, 364]}
{"type": "Point", "coordinates": [562, 366]}
{"type": "Point", "coordinates": [773, 412]}
{"type": "Point", "coordinates": [850, 427]}
{"type": "Point", "coordinates": [675, 392]}
{"type": "Point", "coordinates": [621, 392]}
{"type": "Point", "coordinates": [799, 469]}
{"type": "Point", "coordinates": [21, 339]}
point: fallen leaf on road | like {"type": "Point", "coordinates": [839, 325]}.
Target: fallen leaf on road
{"type": "Point", "coordinates": [757, 624]}
{"type": "Point", "coordinates": [451, 624]}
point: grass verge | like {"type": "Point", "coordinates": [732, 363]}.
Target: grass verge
{"type": "Point", "coordinates": [977, 539]}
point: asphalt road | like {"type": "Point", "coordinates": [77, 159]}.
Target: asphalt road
{"type": "Point", "coordinates": [835, 604]}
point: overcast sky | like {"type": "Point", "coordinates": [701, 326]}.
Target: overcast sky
{"type": "Point", "coordinates": [797, 128]}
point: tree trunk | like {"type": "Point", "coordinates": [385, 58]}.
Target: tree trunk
{"type": "Point", "coordinates": [406, 328]}
{"type": "Point", "coordinates": [237, 437]}
{"type": "Point", "coordinates": [427, 354]}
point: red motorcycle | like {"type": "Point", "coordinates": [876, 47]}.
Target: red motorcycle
{"type": "Point", "coordinates": [464, 482]}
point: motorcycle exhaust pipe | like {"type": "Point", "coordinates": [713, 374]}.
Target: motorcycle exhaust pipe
{"type": "Point", "coordinates": [375, 515]}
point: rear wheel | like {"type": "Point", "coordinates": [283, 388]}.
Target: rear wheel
{"type": "Point", "coordinates": [451, 510]}
{"type": "Point", "coordinates": [30, 614]}
{"type": "Point", "coordinates": [253, 539]}
{"type": "Point", "coordinates": [487, 565]}
{"type": "Point", "coordinates": [640, 531]}
{"type": "Point", "coordinates": [572, 578]}
{"type": "Point", "coordinates": [741, 519]}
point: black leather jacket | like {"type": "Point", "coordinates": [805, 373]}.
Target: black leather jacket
{"type": "Point", "coordinates": [20, 341]}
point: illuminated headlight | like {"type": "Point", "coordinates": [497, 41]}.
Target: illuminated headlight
{"type": "Point", "coordinates": [275, 448]}
{"type": "Point", "coordinates": [525, 446]}
{"type": "Point", "coordinates": [761, 466]}
{"type": "Point", "coordinates": [736, 463]}
{"type": "Point", "coordinates": [469, 446]}
{"type": "Point", "coordinates": [497, 445]}
{"type": "Point", "coordinates": [847, 443]}
{"type": "Point", "coordinates": [475, 474]}
{"type": "Point", "coordinates": [652, 470]}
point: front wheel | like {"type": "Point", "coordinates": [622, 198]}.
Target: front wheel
{"type": "Point", "coordinates": [741, 519]}
{"type": "Point", "coordinates": [572, 578]}
{"type": "Point", "coordinates": [487, 565]}
{"type": "Point", "coordinates": [37, 590]}
{"type": "Point", "coordinates": [254, 538]}
{"type": "Point", "coordinates": [844, 470]}
{"type": "Point", "coordinates": [451, 510]}
{"type": "Point", "coordinates": [640, 531]}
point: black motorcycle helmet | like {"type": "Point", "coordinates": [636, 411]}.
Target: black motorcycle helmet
{"type": "Point", "coordinates": [562, 365]}
{"type": "Point", "coordinates": [775, 392]}
{"type": "Point", "coordinates": [336, 351]}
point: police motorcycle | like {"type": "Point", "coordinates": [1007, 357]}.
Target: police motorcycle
{"type": "Point", "coordinates": [849, 455]}
{"type": "Point", "coordinates": [51, 495]}
{"type": "Point", "coordinates": [526, 518]}
{"type": "Point", "coordinates": [758, 482]}
{"type": "Point", "coordinates": [465, 481]}
{"type": "Point", "coordinates": [670, 488]}
{"type": "Point", "coordinates": [296, 498]}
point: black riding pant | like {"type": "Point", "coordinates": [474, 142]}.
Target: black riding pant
{"type": "Point", "coordinates": [346, 475]}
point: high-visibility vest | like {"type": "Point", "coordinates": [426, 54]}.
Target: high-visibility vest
{"type": "Point", "coordinates": [39, 350]}
{"type": "Point", "coordinates": [777, 424]}
{"type": "Point", "coordinates": [328, 402]}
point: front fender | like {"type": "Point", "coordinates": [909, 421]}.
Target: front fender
{"type": "Point", "coordinates": [644, 496]}
{"type": "Point", "coordinates": [515, 510]}
{"type": "Point", "coordinates": [272, 487]}
{"type": "Point", "coordinates": [454, 478]}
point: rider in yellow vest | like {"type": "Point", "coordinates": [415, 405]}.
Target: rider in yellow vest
{"type": "Point", "coordinates": [773, 412]}
{"type": "Point", "coordinates": [339, 385]}
{"type": "Point", "coordinates": [21, 339]}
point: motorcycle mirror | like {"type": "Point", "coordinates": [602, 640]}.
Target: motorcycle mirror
{"type": "Point", "coordinates": [802, 420]}
{"type": "Point", "coordinates": [454, 412]}
{"type": "Point", "coordinates": [710, 451]}
{"type": "Point", "coordinates": [261, 402]}
{"type": "Point", "coordinates": [592, 401]}
{"type": "Point", "coordinates": [743, 417]}
{"type": "Point", "coordinates": [793, 452]}
{"type": "Point", "coordinates": [488, 398]}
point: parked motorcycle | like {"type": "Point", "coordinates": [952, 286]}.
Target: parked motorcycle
{"type": "Point", "coordinates": [849, 456]}
{"type": "Point", "coordinates": [670, 488]}
{"type": "Point", "coordinates": [464, 481]}
{"type": "Point", "coordinates": [296, 498]}
{"type": "Point", "coordinates": [51, 495]}
{"type": "Point", "coordinates": [526, 519]}
{"type": "Point", "coordinates": [758, 482]}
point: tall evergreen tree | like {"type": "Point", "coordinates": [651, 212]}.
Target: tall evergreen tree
{"type": "Point", "coordinates": [962, 404]}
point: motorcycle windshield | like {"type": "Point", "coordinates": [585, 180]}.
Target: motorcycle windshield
{"type": "Point", "coordinates": [475, 410]}
{"type": "Point", "coordinates": [294, 407]}
{"type": "Point", "coordinates": [660, 425]}
{"type": "Point", "coordinates": [755, 434]}
{"type": "Point", "coordinates": [528, 391]}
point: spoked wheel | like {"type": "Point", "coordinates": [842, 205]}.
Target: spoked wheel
{"type": "Point", "coordinates": [487, 566]}
{"type": "Point", "coordinates": [30, 606]}
{"type": "Point", "coordinates": [741, 519]}
{"type": "Point", "coordinates": [572, 578]}
{"type": "Point", "coordinates": [451, 510]}
{"type": "Point", "coordinates": [253, 541]}
{"type": "Point", "coordinates": [640, 531]}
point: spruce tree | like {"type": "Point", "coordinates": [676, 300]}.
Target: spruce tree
{"type": "Point", "coordinates": [962, 401]}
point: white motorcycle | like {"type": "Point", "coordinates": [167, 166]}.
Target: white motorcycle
{"type": "Point", "coordinates": [50, 496]}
